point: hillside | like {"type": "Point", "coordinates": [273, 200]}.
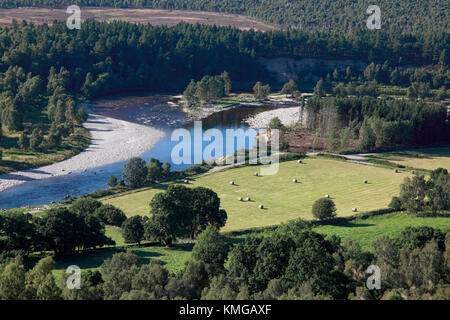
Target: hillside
{"type": "Point", "coordinates": [343, 181]}
{"type": "Point", "coordinates": [154, 17]}
{"type": "Point", "coordinates": [340, 15]}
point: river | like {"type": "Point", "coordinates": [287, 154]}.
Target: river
{"type": "Point", "coordinates": [160, 115]}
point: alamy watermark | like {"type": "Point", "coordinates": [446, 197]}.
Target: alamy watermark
{"type": "Point", "coordinates": [374, 20]}
{"type": "Point", "coordinates": [74, 20]}
{"type": "Point", "coordinates": [74, 279]}
{"type": "Point", "coordinates": [374, 280]}
{"type": "Point", "coordinates": [214, 151]}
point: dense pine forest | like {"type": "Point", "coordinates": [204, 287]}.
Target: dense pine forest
{"type": "Point", "coordinates": [100, 56]}
{"type": "Point", "coordinates": [380, 123]}
{"type": "Point", "coordinates": [341, 15]}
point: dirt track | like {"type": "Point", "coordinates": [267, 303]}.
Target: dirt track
{"type": "Point", "coordinates": [144, 16]}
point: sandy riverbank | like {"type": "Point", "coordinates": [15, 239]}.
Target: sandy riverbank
{"type": "Point", "coordinates": [287, 116]}
{"type": "Point", "coordinates": [112, 140]}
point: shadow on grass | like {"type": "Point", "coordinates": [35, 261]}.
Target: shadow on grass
{"type": "Point", "coordinates": [159, 186]}
{"type": "Point", "coordinates": [349, 225]}
{"type": "Point", "coordinates": [234, 240]}
{"type": "Point", "coordinates": [93, 259]}
{"type": "Point", "coordinates": [9, 142]}
{"type": "Point", "coordinates": [144, 254]}
{"type": "Point", "coordinates": [410, 155]}
{"type": "Point", "coordinates": [182, 247]}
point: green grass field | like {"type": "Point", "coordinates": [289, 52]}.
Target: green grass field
{"type": "Point", "coordinates": [284, 200]}
{"type": "Point", "coordinates": [429, 158]}
{"type": "Point", "coordinates": [364, 231]}
{"type": "Point", "coordinates": [174, 258]}
{"type": "Point", "coordinates": [367, 230]}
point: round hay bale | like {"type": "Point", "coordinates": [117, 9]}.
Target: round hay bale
{"type": "Point", "coordinates": [294, 180]}
{"type": "Point", "coordinates": [354, 209]}
{"type": "Point", "coordinates": [247, 199]}
{"type": "Point", "coordinates": [327, 196]}
{"type": "Point", "coordinates": [365, 181]}
{"type": "Point", "coordinates": [395, 170]}
{"type": "Point", "coordinates": [299, 161]}
{"type": "Point", "coordinates": [255, 174]}
{"type": "Point", "coordinates": [232, 183]}
{"type": "Point", "coordinates": [261, 206]}
{"type": "Point", "coordinates": [239, 198]}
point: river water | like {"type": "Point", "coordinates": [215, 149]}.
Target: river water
{"type": "Point", "coordinates": [157, 114]}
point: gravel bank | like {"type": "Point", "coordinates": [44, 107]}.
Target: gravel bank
{"type": "Point", "coordinates": [112, 140]}
{"type": "Point", "coordinates": [287, 116]}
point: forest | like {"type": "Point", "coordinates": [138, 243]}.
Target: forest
{"type": "Point", "coordinates": [380, 123]}
{"type": "Point", "coordinates": [292, 262]}
{"type": "Point", "coordinates": [340, 15]}
{"type": "Point", "coordinates": [45, 69]}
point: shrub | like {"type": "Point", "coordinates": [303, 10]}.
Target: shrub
{"type": "Point", "coordinates": [395, 204]}
{"type": "Point", "coordinates": [211, 249]}
{"type": "Point", "coordinates": [85, 206]}
{"type": "Point", "coordinates": [112, 182]}
{"type": "Point", "coordinates": [133, 230]}
{"type": "Point", "coordinates": [324, 209]}
{"type": "Point", "coordinates": [111, 215]}
{"type": "Point", "coordinates": [135, 173]}
{"type": "Point", "coordinates": [275, 123]}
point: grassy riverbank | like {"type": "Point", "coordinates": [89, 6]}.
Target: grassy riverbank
{"type": "Point", "coordinates": [15, 159]}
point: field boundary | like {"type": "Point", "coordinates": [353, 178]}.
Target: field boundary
{"type": "Point", "coordinates": [358, 216]}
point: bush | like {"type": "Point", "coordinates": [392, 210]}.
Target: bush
{"type": "Point", "coordinates": [111, 215]}
{"type": "Point", "coordinates": [395, 204]}
{"type": "Point", "coordinates": [82, 115]}
{"type": "Point", "coordinates": [135, 173]}
{"type": "Point", "coordinates": [324, 209]}
{"type": "Point", "coordinates": [133, 230]}
{"type": "Point", "coordinates": [36, 139]}
{"type": "Point", "coordinates": [24, 142]}
{"type": "Point", "coordinates": [276, 123]}
{"type": "Point", "coordinates": [85, 206]}
{"type": "Point", "coordinates": [112, 182]}
{"type": "Point", "coordinates": [211, 249]}
{"type": "Point", "coordinates": [99, 194]}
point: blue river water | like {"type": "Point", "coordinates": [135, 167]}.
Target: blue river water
{"type": "Point", "coordinates": [38, 192]}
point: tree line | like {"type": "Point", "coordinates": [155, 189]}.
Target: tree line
{"type": "Point", "coordinates": [62, 230]}
{"type": "Point", "coordinates": [421, 196]}
{"type": "Point", "coordinates": [419, 81]}
{"type": "Point", "coordinates": [379, 123]}
{"type": "Point", "coordinates": [208, 89]}
{"type": "Point", "coordinates": [99, 49]}
{"type": "Point", "coordinates": [23, 99]}
{"type": "Point", "coordinates": [293, 262]}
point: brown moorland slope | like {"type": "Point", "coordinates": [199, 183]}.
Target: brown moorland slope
{"type": "Point", "coordinates": [144, 16]}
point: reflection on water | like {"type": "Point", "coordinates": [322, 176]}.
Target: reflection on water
{"type": "Point", "coordinates": [54, 189]}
